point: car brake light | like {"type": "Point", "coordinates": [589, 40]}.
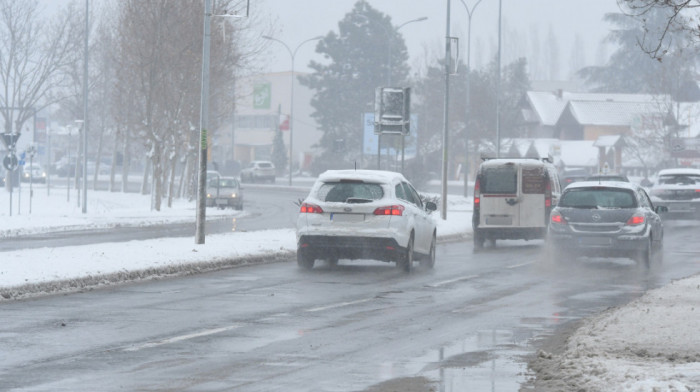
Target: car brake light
{"type": "Point", "coordinates": [557, 218]}
{"type": "Point", "coordinates": [477, 191]}
{"type": "Point", "coordinates": [307, 208]}
{"type": "Point", "coordinates": [396, 210]}
{"type": "Point", "coordinates": [636, 220]}
{"type": "Point", "coordinates": [548, 194]}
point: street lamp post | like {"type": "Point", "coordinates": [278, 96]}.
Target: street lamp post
{"type": "Point", "coordinates": [470, 13]}
{"type": "Point", "coordinates": [292, 54]}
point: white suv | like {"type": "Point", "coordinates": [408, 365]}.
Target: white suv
{"type": "Point", "coordinates": [258, 171]}
{"type": "Point", "coordinates": [365, 214]}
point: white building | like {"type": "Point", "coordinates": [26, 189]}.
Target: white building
{"type": "Point", "coordinates": [264, 103]}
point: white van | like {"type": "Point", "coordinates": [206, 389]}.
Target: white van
{"type": "Point", "coordinates": [513, 199]}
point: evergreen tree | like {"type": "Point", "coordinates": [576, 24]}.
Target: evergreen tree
{"type": "Point", "coordinates": [367, 52]}
{"type": "Point", "coordinates": [279, 154]}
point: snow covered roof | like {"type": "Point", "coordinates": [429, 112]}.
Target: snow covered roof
{"type": "Point", "coordinates": [612, 113]}
{"type": "Point", "coordinates": [578, 153]}
{"type": "Point", "coordinates": [608, 141]}
{"type": "Point", "coordinates": [549, 105]}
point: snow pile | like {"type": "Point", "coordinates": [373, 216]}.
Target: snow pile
{"type": "Point", "coordinates": [651, 344]}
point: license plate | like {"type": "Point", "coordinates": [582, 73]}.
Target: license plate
{"type": "Point", "coordinates": [347, 217]}
{"type": "Point", "coordinates": [499, 220]}
{"type": "Point", "coordinates": [594, 241]}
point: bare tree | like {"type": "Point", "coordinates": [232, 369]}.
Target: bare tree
{"type": "Point", "coordinates": [33, 53]}
{"type": "Point", "coordinates": [680, 16]}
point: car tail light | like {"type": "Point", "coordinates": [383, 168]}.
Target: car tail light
{"type": "Point", "coordinates": [396, 210]}
{"type": "Point", "coordinates": [307, 208]}
{"type": "Point", "coordinates": [548, 194]}
{"type": "Point", "coordinates": [557, 218]}
{"type": "Point", "coordinates": [636, 220]}
{"type": "Point", "coordinates": [477, 194]}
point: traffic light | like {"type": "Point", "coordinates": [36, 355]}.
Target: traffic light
{"type": "Point", "coordinates": [392, 110]}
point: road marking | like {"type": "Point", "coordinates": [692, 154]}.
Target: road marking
{"type": "Point", "coordinates": [181, 338]}
{"type": "Point", "coordinates": [339, 305]}
{"type": "Point", "coordinates": [446, 282]}
{"type": "Point", "coordinates": [519, 265]}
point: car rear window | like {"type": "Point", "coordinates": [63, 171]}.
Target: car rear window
{"type": "Point", "coordinates": [598, 198]}
{"type": "Point", "coordinates": [355, 191]}
{"type": "Point", "coordinates": [679, 179]}
{"type": "Point", "coordinates": [264, 165]}
{"type": "Point", "coordinates": [499, 180]}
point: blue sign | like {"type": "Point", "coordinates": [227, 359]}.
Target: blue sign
{"type": "Point", "coordinates": [370, 140]}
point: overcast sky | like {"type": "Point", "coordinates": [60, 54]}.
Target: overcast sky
{"type": "Point", "coordinates": [302, 19]}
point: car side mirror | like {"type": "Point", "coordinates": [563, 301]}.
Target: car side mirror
{"type": "Point", "coordinates": [430, 206]}
{"type": "Point", "coordinates": [660, 209]}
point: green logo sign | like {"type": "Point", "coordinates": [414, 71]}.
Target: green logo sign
{"type": "Point", "coordinates": [261, 96]}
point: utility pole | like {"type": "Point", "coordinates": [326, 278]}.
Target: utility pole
{"type": "Point", "coordinates": [203, 125]}
{"type": "Point", "coordinates": [85, 110]}
{"type": "Point", "coordinates": [445, 126]}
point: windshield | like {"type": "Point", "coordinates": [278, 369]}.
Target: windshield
{"type": "Point", "coordinates": [342, 191]}
{"type": "Point", "coordinates": [598, 198]}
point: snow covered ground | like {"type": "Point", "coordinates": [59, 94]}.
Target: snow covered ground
{"type": "Point", "coordinates": [652, 344]}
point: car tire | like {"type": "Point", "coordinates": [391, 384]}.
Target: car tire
{"type": "Point", "coordinates": [478, 241]}
{"type": "Point", "coordinates": [305, 261]}
{"type": "Point", "coordinates": [406, 262]}
{"type": "Point", "coordinates": [429, 261]}
{"type": "Point", "coordinates": [644, 256]}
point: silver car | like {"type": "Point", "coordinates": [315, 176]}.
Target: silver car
{"type": "Point", "coordinates": [258, 171]}
{"type": "Point", "coordinates": [679, 191]}
{"type": "Point", "coordinates": [365, 214]}
{"type": "Point", "coordinates": [224, 192]}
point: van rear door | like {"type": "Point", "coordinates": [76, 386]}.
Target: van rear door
{"type": "Point", "coordinates": [499, 196]}
{"type": "Point", "coordinates": [532, 202]}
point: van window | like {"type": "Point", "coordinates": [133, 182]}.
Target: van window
{"type": "Point", "coordinates": [500, 180]}
{"type": "Point", "coordinates": [533, 181]}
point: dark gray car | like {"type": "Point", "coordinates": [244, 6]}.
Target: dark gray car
{"type": "Point", "coordinates": [608, 219]}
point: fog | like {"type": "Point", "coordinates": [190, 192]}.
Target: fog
{"type": "Point", "coordinates": [522, 20]}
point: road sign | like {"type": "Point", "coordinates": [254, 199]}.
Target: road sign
{"type": "Point", "coordinates": [10, 162]}
{"type": "Point", "coordinates": [10, 139]}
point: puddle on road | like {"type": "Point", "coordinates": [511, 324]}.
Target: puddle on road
{"type": "Point", "coordinates": [485, 361]}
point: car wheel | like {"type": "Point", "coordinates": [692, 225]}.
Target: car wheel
{"type": "Point", "coordinates": [429, 261]}
{"type": "Point", "coordinates": [406, 262]}
{"type": "Point", "coordinates": [304, 260]}
{"type": "Point", "coordinates": [478, 241]}
{"type": "Point", "coordinates": [644, 256]}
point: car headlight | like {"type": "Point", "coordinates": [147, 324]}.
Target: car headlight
{"type": "Point", "coordinates": [208, 195]}
{"type": "Point", "coordinates": [233, 195]}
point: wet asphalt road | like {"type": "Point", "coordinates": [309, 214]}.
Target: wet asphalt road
{"type": "Point", "coordinates": [469, 324]}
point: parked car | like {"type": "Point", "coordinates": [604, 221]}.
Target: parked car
{"type": "Point", "coordinates": [679, 191]}
{"type": "Point", "coordinates": [33, 172]}
{"type": "Point", "coordinates": [258, 171]}
{"type": "Point", "coordinates": [608, 177]}
{"type": "Point", "coordinates": [224, 192]}
{"type": "Point", "coordinates": [513, 199]}
{"type": "Point", "coordinates": [611, 219]}
{"type": "Point", "coordinates": [569, 176]}
{"type": "Point", "coordinates": [365, 214]}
